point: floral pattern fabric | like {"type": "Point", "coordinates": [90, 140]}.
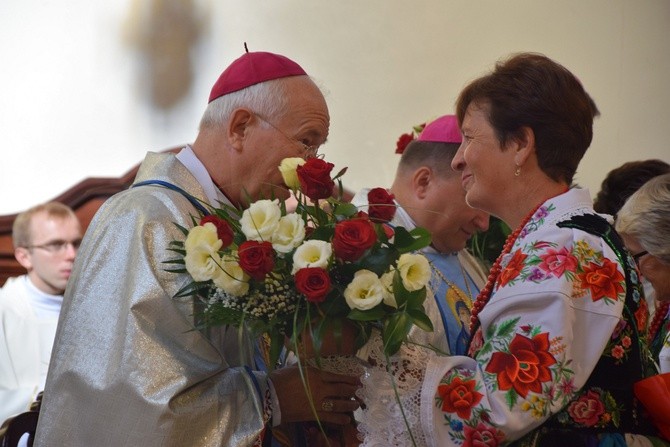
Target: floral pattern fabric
{"type": "Point", "coordinates": [555, 327]}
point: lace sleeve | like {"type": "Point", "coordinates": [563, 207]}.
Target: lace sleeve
{"type": "Point", "coordinates": [384, 422]}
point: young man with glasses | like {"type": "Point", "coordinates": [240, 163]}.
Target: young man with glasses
{"type": "Point", "coordinates": [46, 238]}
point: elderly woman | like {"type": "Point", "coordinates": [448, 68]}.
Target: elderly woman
{"type": "Point", "coordinates": [644, 225]}
{"type": "Point", "coordinates": [555, 346]}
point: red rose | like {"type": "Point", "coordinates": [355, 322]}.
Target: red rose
{"type": "Point", "coordinates": [525, 367]}
{"type": "Point", "coordinates": [459, 397]}
{"type": "Point", "coordinates": [257, 259]}
{"type": "Point", "coordinates": [314, 177]}
{"type": "Point", "coordinates": [223, 229]}
{"type": "Point", "coordinates": [313, 282]}
{"type": "Point", "coordinates": [352, 238]}
{"type": "Point", "coordinates": [402, 142]}
{"type": "Point", "coordinates": [381, 206]}
{"type": "Point", "coordinates": [587, 409]}
{"type": "Point", "coordinates": [604, 281]}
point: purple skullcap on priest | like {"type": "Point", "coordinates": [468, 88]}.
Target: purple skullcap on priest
{"type": "Point", "coordinates": [254, 68]}
{"type": "Point", "coordinates": [442, 130]}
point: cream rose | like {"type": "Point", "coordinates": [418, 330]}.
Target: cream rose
{"type": "Point", "coordinates": [288, 167]}
{"type": "Point", "coordinates": [231, 278]}
{"type": "Point", "coordinates": [202, 245]}
{"type": "Point", "coordinates": [289, 233]}
{"type": "Point", "coordinates": [312, 254]}
{"type": "Point", "coordinates": [387, 288]}
{"type": "Point", "coordinates": [365, 291]}
{"type": "Point", "coordinates": [260, 220]}
{"type": "Point", "coordinates": [414, 271]}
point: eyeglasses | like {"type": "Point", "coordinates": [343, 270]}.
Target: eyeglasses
{"type": "Point", "coordinates": [637, 256]}
{"type": "Point", "coordinates": [57, 246]}
{"type": "Point", "coordinates": [307, 151]}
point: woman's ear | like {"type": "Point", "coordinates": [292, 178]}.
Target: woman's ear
{"type": "Point", "coordinates": [238, 127]}
{"type": "Point", "coordinates": [525, 145]}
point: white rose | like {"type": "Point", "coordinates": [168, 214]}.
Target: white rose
{"type": "Point", "coordinates": [414, 271]}
{"type": "Point", "coordinates": [231, 278]}
{"type": "Point", "coordinates": [312, 254]}
{"type": "Point", "coordinates": [288, 167]}
{"type": "Point", "coordinates": [289, 234]}
{"type": "Point", "coordinates": [365, 291]}
{"type": "Point", "coordinates": [202, 245]}
{"type": "Point", "coordinates": [387, 288]}
{"type": "Point", "coordinates": [260, 220]}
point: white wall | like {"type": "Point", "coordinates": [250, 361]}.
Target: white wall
{"type": "Point", "coordinates": [71, 104]}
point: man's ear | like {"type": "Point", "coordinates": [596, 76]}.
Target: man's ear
{"type": "Point", "coordinates": [525, 145]}
{"type": "Point", "coordinates": [238, 127]}
{"type": "Point", "coordinates": [24, 258]}
{"type": "Point", "coordinates": [421, 179]}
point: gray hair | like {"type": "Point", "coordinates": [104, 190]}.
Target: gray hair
{"type": "Point", "coordinates": [268, 99]}
{"type": "Point", "coordinates": [646, 217]}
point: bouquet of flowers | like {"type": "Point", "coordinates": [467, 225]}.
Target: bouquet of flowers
{"type": "Point", "coordinates": [282, 273]}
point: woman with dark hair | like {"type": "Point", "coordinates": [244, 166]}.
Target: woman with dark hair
{"type": "Point", "coordinates": [557, 331]}
{"type": "Point", "coordinates": [620, 183]}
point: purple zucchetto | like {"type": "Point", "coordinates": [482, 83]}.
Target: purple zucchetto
{"type": "Point", "coordinates": [442, 130]}
{"type": "Point", "coordinates": [254, 68]}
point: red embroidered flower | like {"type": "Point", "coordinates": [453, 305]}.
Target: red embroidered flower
{"type": "Point", "coordinates": [314, 178]}
{"type": "Point", "coordinates": [482, 436]}
{"type": "Point", "coordinates": [402, 142]}
{"type": "Point", "coordinates": [556, 262]}
{"type": "Point", "coordinates": [381, 206]}
{"type": "Point", "coordinates": [257, 259]}
{"type": "Point", "coordinates": [223, 229]}
{"type": "Point", "coordinates": [513, 269]}
{"type": "Point", "coordinates": [618, 352]}
{"type": "Point", "coordinates": [526, 365]}
{"type": "Point", "coordinates": [587, 409]}
{"type": "Point", "coordinates": [459, 397]}
{"type": "Point", "coordinates": [313, 282]}
{"type": "Point", "coordinates": [352, 238]}
{"type": "Point", "coordinates": [641, 317]}
{"type": "Point", "coordinates": [604, 281]}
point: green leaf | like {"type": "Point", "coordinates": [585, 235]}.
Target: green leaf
{"type": "Point", "coordinates": [420, 319]}
{"type": "Point", "coordinates": [184, 230]}
{"type": "Point", "coordinates": [395, 332]}
{"type": "Point", "coordinates": [416, 298]}
{"type": "Point", "coordinates": [379, 259]}
{"type": "Point", "coordinates": [322, 233]}
{"type": "Point", "coordinates": [376, 313]}
{"type": "Point", "coordinates": [179, 251]}
{"type": "Point", "coordinates": [399, 292]}
{"type": "Point", "coordinates": [345, 209]}
{"type": "Point", "coordinates": [192, 288]}
{"type": "Point", "coordinates": [408, 241]}
{"type": "Point", "coordinates": [276, 347]}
